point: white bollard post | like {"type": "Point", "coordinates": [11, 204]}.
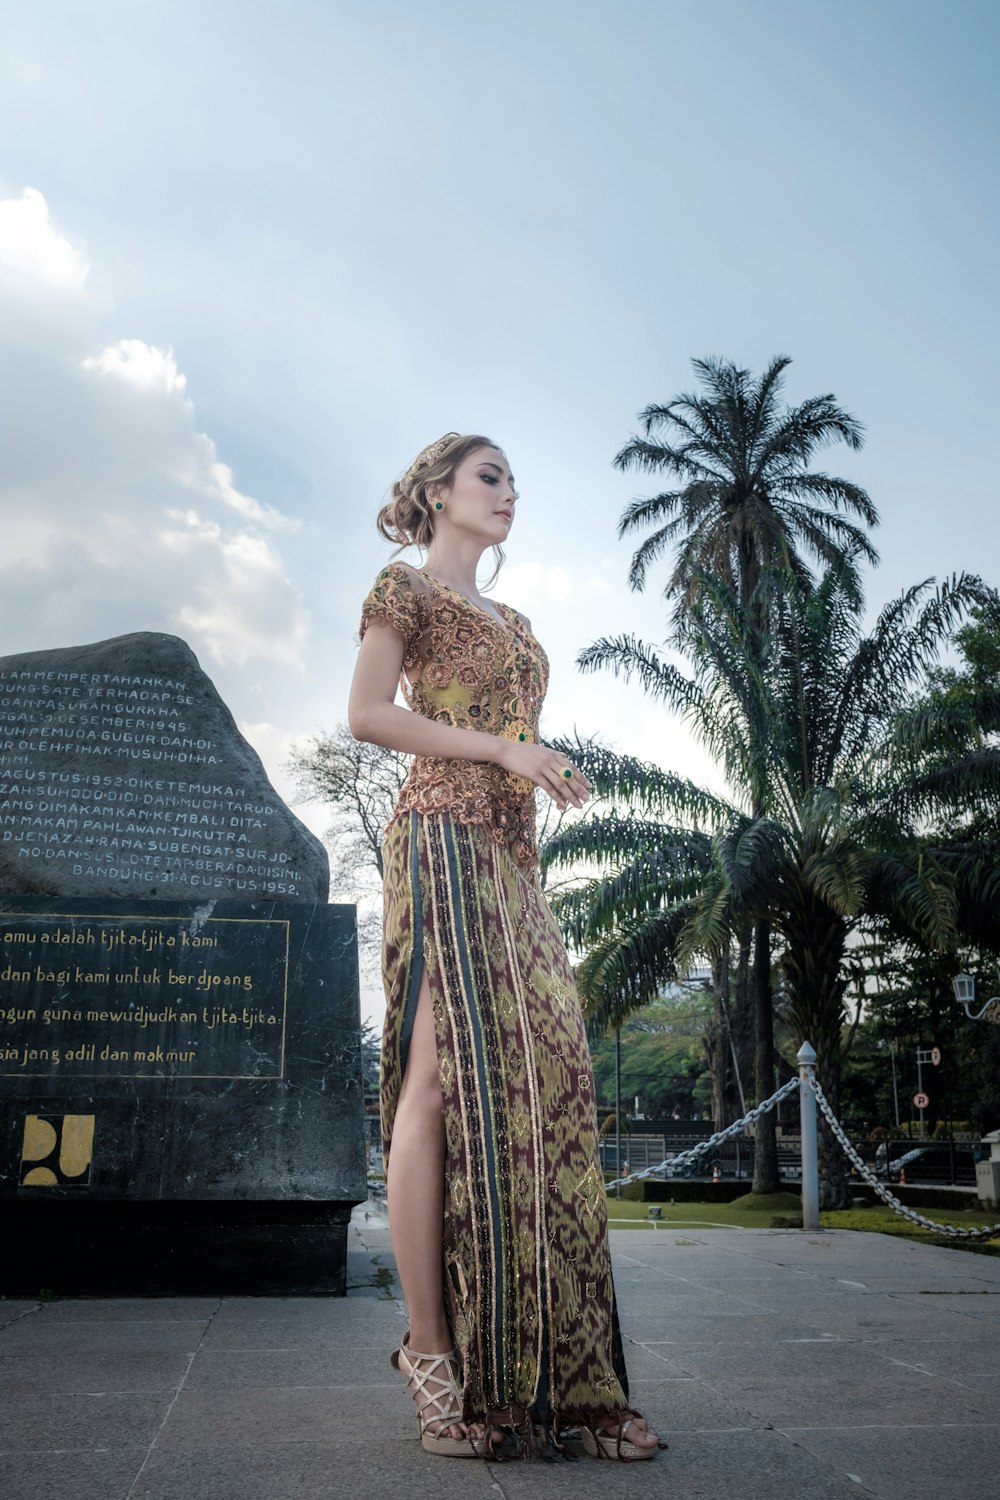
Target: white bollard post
{"type": "Point", "coordinates": [806, 1059]}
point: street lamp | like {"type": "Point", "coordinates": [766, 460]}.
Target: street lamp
{"type": "Point", "coordinates": [965, 991]}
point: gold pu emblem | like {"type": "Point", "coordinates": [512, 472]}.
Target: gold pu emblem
{"type": "Point", "coordinates": [57, 1151]}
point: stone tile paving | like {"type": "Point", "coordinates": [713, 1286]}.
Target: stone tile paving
{"type": "Point", "coordinates": [778, 1364]}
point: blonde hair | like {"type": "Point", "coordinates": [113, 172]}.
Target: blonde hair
{"type": "Point", "coordinates": [408, 517]}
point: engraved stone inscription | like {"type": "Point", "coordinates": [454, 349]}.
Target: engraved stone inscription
{"type": "Point", "coordinates": [115, 779]}
{"type": "Point", "coordinates": [142, 996]}
{"type": "Point", "coordinates": [129, 826]}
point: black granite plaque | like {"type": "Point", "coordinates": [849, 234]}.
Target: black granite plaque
{"type": "Point", "coordinates": [187, 1076]}
{"type": "Point", "coordinates": [154, 996]}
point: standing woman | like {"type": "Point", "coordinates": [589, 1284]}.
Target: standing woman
{"type": "Point", "coordinates": [493, 1180]}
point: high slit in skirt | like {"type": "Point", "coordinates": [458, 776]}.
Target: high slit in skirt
{"type": "Point", "coordinates": [529, 1294]}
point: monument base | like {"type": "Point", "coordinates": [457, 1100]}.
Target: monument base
{"type": "Point", "coordinates": [155, 1249]}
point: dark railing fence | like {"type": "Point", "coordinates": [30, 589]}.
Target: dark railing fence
{"type": "Point", "coordinates": [934, 1163]}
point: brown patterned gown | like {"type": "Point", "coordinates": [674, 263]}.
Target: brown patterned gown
{"type": "Point", "coordinates": [527, 1273]}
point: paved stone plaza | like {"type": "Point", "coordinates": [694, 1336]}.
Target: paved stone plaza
{"type": "Point", "coordinates": [778, 1364]}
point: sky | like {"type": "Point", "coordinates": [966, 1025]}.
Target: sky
{"type": "Point", "coordinates": [254, 256]}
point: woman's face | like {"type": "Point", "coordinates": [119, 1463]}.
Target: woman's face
{"type": "Point", "coordinates": [482, 496]}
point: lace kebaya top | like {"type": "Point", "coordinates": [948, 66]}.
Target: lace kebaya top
{"type": "Point", "coordinates": [463, 667]}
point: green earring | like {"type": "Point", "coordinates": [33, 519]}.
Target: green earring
{"type": "Point", "coordinates": [439, 505]}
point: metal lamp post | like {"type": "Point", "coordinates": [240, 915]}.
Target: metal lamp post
{"type": "Point", "coordinates": [965, 993]}
{"type": "Point", "coordinates": [987, 1172]}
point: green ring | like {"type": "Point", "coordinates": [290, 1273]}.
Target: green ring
{"type": "Point", "coordinates": [567, 773]}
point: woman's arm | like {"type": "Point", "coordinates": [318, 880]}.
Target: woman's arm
{"type": "Point", "coordinates": [373, 715]}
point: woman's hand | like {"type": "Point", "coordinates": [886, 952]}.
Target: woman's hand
{"type": "Point", "coordinates": [546, 768]}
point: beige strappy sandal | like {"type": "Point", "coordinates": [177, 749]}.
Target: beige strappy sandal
{"type": "Point", "coordinates": [606, 1445]}
{"type": "Point", "coordinates": [440, 1408]}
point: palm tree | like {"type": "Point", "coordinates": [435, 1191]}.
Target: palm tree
{"type": "Point", "coordinates": [747, 511]}
{"type": "Point", "coordinates": [749, 505]}
{"type": "Point", "coordinates": [837, 786]}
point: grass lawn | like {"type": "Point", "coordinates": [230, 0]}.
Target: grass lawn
{"type": "Point", "coordinates": [751, 1213]}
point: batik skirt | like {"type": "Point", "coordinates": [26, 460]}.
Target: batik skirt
{"type": "Point", "coordinates": [527, 1274]}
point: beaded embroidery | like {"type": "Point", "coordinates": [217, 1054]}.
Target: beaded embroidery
{"type": "Point", "coordinates": [462, 666]}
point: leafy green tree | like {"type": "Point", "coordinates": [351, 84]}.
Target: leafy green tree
{"type": "Point", "coordinates": [838, 788]}
{"type": "Point", "coordinates": [911, 1003]}
{"type": "Point", "coordinates": [663, 1058]}
{"type": "Point", "coordinates": [749, 512]}
{"type": "Point", "coordinates": [978, 673]}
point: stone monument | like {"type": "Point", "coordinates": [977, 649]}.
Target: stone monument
{"type": "Point", "coordinates": [179, 1005]}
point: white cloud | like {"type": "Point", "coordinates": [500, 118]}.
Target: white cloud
{"type": "Point", "coordinates": [154, 372]}
{"type": "Point", "coordinates": [215, 479]}
{"type": "Point", "coordinates": [138, 364]}
{"type": "Point", "coordinates": [30, 248]}
{"type": "Point", "coordinates": [118, 513]}
{"type": "Point", "coordinates": [248, 617]}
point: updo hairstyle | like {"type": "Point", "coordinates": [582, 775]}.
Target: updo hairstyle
{"type": "Point", "coordinates": [408, 518]}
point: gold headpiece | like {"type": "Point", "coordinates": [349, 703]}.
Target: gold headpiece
{"type": "Point", "coordinates": [426, 457]}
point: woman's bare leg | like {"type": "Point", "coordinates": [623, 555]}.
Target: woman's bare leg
{"type": "Point", "coordinates": [415, 1190]}
{"type": "Point", "coordinates": [415, 1200]}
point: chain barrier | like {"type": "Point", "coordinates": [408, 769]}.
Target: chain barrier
{"type": "Point", "coordinates": [865, 1172]}
{"type": "Point", "coordinates": [671, 1164]}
